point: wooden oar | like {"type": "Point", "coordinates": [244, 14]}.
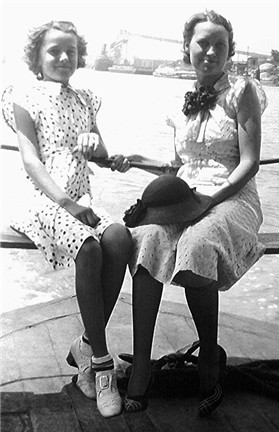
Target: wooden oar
{"type": "Point", "coordinates": [160, 166]}
{"type": "Point", "coordinates": [106, 162]}
{"type": "Point", "coordinates": [269, 161]}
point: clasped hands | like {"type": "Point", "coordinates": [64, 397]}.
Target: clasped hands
{"type": "Point", "coordinates": [88, 144]}
{"type": "Point", "coordinates": [120, 163]}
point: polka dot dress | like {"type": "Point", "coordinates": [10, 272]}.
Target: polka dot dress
{"type": "Point", "coordinates": [60, 114]}
{"type": "Point", "coordinates": [223, 245]}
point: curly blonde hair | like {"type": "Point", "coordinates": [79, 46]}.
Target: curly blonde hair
{"type": "Point", "coordinates": [35, 40]}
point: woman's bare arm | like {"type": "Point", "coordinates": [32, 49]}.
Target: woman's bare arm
{"type": "Point", "coordinates": [36, 170]}
{"type": "Point", "coordinates": [249, 137]}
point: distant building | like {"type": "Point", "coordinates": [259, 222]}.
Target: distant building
{"type": "Point", "coordinates": [146, 53]}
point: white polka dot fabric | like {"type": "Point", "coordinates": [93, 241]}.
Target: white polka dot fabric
{"type": "Point", "coordinates": [60, 114]}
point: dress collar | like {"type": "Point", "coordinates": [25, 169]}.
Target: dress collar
{"type": "Point", "coordinates": [57, 87]}
{"type": "Point", "coordinates": [221, 84]}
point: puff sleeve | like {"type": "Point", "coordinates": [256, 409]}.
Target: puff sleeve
{"type": "Point", "coordinates": [13, 95]}
{"type": "Point", "coordinates": [239, 87]}
{"type": "Point", "coordinates": [7, 107]}
{"type": "Point", "coordinates": [93, 103]}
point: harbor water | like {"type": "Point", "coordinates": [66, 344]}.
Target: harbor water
{"type": "Point", "coordinates": [132, 120]}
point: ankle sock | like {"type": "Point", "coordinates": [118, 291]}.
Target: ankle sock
{"type": "Point", "coordinates": [102, 363]}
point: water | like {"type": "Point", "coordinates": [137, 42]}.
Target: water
{"type": "Point", "coordinates": [132, 120]}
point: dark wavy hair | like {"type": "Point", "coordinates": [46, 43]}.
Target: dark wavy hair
{"type": "Point", "coordinates": [210, 16]}
{"type": "Point", "coordinates": [36, 38]}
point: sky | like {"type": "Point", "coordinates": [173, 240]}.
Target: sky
{"type": "Point", "coordinates": [255, 23]}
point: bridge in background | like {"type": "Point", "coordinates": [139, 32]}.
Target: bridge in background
{"type": "Point", "coordinates": [129, 45]}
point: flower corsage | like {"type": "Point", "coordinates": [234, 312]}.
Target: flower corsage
{"type": "Point", "coordinates": [200, 100]}
{"type": "Point", "coordinates": [135, 213]}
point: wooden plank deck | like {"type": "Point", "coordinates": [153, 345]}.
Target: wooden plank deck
{"type": "Point", "coordinates": [38, 396]}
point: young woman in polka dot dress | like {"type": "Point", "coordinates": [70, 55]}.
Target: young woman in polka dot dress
{"type": "Point", "coordinates": [57, 135]}
{"type": "Point", "coordinates": [217, 143]}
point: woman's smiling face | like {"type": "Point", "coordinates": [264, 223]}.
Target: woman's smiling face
{"type": "Point", "coordinates": [209, 51]}
{"type": "Point", "coordinates": [58, 56]}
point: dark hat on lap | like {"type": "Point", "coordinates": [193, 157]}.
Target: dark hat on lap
{"type": "Point", "coordinates": [167, 200]}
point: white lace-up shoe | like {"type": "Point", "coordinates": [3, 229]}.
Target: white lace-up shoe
{"type": "Point", "coordinates": [109, 401]}
{"type": "Point", "coordinates": [85, 380]}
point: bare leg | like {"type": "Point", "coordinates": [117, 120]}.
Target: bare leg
{"type": "Point", "coordinates": [202, 298]}
{"type": "Point", "coordinates": [147, 293]}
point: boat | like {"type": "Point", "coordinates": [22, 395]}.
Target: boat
{"type": "Point", "coordinates": [168, 71]}
{"type": "Point", "coordinates": [103, 63]}
{"type": "Point", "coordinates": [272, 80]}
{"type": "Point", "coordinates": [37, 390]}
{"type": "Point", "coordinates": [185, 74]}
{"type": "Point", "coordinates": [122, 69]}
{"type": "Point", "coordinates": [269, 74]}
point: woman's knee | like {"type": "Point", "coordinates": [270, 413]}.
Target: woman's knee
{"type": "Point", "coordinates": [142, 271]}
{"type": "Point", "coordinates": [189, 279]}
{"type": "Point", "coordinates": [89, 252]}
{"type": "Point", "coordinates": [117, 240]}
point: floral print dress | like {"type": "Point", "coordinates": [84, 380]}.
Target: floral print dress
{"type": "Point", "coordinates": [223, 245]}
{"type": "Point", "coordinates": [60, 114]}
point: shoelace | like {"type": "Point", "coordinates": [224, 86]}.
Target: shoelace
{"type": "Point", "coordinates": [208, 405]}
{"type": "Point", "coordinates": [132, 405]}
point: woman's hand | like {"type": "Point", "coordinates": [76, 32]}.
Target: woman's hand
{"type": "Point", "coordinates": [83, 214]}
{"type": "Point", "coordinates": [200, 195]}
{"type": "Point", "coordinates": [88, 144]}
{"type": "Point", "coordinates": [120, 163]}
{"type": "Point", "coordinates": [170, 122]}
